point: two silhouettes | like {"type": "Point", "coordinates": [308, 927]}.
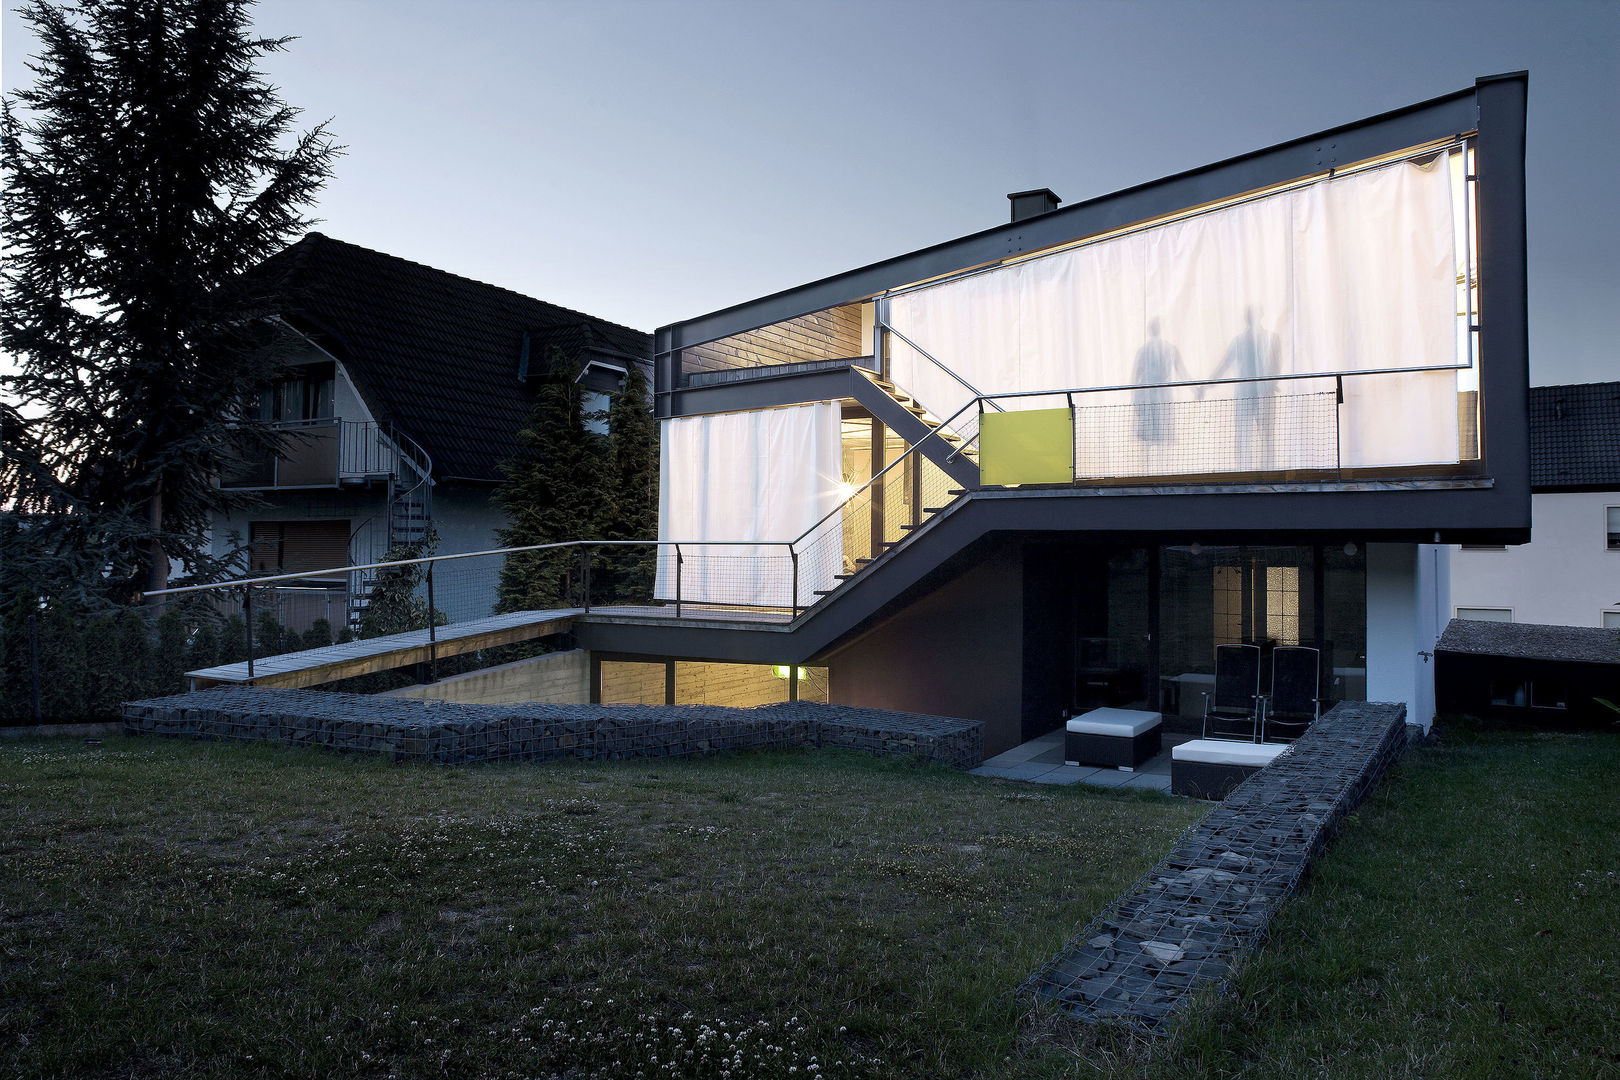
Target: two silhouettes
{"type": "Point", "coordinates": [1253, 355]}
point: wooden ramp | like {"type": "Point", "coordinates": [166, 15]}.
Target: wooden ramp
{"type": "Point", "coordinates": [312, 667]}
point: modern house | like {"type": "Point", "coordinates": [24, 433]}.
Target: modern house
{"type": "Point", "coordinates": [1052, 464]}
{"type": "Point", "coordinates": [405, 388]}
{"type": "Point", "coordinates": [1569, 573]}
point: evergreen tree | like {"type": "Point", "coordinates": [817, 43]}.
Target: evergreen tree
{"type": "Point", "coordinates": [203, 651]}
{"type": "Point", "coordinates": [233, 640]}
{"type": "Point", "coordinates": [147, 167]}
{"type": "Point", "coordinates": [553, 492]}
{"type": "Point", "coordinates": [631, 512]}
{"type": "Point", "coordinates": [396, 602]}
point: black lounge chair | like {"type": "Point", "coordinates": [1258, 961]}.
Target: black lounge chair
{"type": "Point", "coordinates": [1295, 702]}
{"type": "Point", "coordinates": [1233, 710]}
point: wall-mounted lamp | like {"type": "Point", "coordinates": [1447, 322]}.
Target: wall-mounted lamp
{"type": "Point", "coordinates": [1350, 547]}
{"type": "Point", "coordinates": [1196, 548]}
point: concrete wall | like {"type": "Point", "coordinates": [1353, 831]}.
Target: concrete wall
{"type": "Point", "coordinates": [1408, 592]}
{"type": "Point", "coordinates": [559, 678]}
{"type": "Point", "coordinates": [958, 651]}
{"type": "Point", "coordinates": [1565, 576]}
{"type": "Point", "coordinates": [632, 683]}
{"type": "Point", "coordinates": [736, 685]}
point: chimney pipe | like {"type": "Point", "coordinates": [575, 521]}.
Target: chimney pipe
{"type": "Point", "coordinates": [1030, 203]}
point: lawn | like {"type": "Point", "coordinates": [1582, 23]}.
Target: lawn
{"type": "Point", "coordinates": [1463, 925]}
{"type": "Point", "coordinates": [203, 909]}
{"type": "Point", "coordinates": [213, 910]}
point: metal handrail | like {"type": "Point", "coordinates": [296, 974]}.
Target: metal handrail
{"type": "Point", "coordinates": [792, 546]}
{"type": "Point", "coordinates": [977, 393]}
{"type": "Point", "coordinates": [242, 583]}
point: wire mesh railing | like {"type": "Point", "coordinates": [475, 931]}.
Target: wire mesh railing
{"type": "Point", "coordinates": [885, 511]}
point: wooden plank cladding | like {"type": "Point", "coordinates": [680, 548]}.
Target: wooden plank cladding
{"type": "Point", "coordinates": [830, 334]}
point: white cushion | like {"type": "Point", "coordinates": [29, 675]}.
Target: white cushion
{"type": "Point", "coordinates": [1121, 723]}
{"type": "Point", "coordinates": [1217, 752]}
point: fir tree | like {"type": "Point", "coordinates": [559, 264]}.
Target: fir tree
{"type": "Point", "coordinates": [631, 512]}
{"type": "Point", "coordinates": [203, 651]}
{"type": "Point", "coordinates": [553, 492]}
{"type": "Point", "coordinates": [147, 167]}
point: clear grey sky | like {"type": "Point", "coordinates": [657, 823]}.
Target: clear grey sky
{"type": "Point", "coordinates": [649, 161]}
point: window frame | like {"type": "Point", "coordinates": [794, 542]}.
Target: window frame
{"type": "Point", "coordinates": [1458, 609]}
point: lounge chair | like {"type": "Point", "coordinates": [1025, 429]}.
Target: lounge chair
{"type": "Point", "coordinates": [1232, 711]}
{"type": "Point", "coordinates": [1295, 702]}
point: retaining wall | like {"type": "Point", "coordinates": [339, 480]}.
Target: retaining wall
{"type": "Point", "coordinates": [1184, 923]}
{"type": "Point", "coordinates": [454, 733]}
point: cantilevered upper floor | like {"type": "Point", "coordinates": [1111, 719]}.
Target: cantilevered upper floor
{"type": "Point", "coordinates": [1326, 337]}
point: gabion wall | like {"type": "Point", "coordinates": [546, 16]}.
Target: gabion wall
{"type": "Point", "coordinates": [1184, 923]}
{"type": "Point", "coordinates": [453, 733]}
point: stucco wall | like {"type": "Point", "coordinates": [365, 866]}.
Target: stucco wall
{"type": "Point", "coordinates": [1565, 576]}
{"type": "Point", "coordinates": [1407, 594]}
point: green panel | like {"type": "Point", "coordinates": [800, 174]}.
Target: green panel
{"type": "Point", "coordinates": [1033, 447]}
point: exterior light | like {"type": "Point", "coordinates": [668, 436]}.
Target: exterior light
{"type": "Point", "coordinates": [1196, 548]}
{"type": "Point", "coordinates": [1350, 547]}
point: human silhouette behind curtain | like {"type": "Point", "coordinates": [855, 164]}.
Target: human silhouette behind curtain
{"type": "Point", "coordinates": [1253, 354]}
{"type": "Point", "coordinates": [1157, 361]}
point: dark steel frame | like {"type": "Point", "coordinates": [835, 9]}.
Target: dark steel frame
{"type": "Point", "coordinates": [1493, 110]}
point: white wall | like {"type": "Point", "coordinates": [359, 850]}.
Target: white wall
{"type": "Point", "coordinates": [1407, 598]}
{"type": "Point", "coordinates": [1565, 576]}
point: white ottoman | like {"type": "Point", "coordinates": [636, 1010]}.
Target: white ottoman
{"type": "Point", "coordinates": [1211, 768]}
{"type": "Point", "coordinates": [1123, 738]}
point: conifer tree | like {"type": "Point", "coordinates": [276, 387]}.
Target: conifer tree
{"type": "Point", "coordinates": [553, 492]}
{"type": "Point", "coordinates": [631, 512]}
{"type": "Point", "coordinates": [146, 168]}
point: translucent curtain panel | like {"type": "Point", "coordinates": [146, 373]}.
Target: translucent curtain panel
{"type": "Point", "coordinates": [765, 475]}
{"type": "Point", "coordinates": [1344, 275]}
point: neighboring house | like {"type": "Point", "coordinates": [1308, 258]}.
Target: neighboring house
{"type": "Point", "coordinates": [405, 391]}
{"type": "Point", "coordinates": [1051, 465]}
{"type": "Point", "coordinates": [1569, 573]}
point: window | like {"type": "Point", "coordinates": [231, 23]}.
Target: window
{"type": "Point", "coordinates": [1486, 614]}
{"type": "Point", "coordinates": [1547, 694]}
{"type": "Point", "coordinates": [1508, 692]}
{"type": "Point", "coordinates": [306, 395]}
{"type": "Point", "coordinates": [1484, 547]}
{"type": "Point", "coordinates": [1228, 604]}
{"type": "Point", "coordinates": [1282, 604]}
{"type": "Point", "coordinates": [289, 547]}
{"type": "Point", "coordinates": [1614, 528]}
{"type": "Point", "coordinates": [1611, 620]}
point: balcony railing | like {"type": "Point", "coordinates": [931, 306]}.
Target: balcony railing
{"type": "Point", "coordinates": [330, 453]}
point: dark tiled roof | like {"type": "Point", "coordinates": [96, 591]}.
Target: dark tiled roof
{"type": "Point", "coordinates": [435, 354]}
{"type": "Point", "coordinates": [1531, 641]}
{"type": "Point", "coordinates": [1575, 436]}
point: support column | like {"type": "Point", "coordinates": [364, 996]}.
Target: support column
{"type": "Point", "coordinates": [1404, 593]}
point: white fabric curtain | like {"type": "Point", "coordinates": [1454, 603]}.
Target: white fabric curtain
{"type": "Point", "coordinates": [766, 475]}
{"type": "Point", "coordinates": [1345, 275]}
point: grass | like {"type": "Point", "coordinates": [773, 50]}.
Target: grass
{"type": "Point", "coordinates": [220, 910]}
{"type": "Point", "coordinates": [209, 910]}
{"type": "Point", "coordinates": [1463, 925]}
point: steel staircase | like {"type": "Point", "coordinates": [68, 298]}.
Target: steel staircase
{"type": "Point", "coordinates": [951, 450]}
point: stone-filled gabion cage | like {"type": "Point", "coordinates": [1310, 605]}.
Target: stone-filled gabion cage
{"type": "Point", "coordinates": [1184, 923]}
{"type": "Point", "coordinates": [451, 733]}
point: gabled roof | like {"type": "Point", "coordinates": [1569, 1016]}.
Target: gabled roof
{"type": "Point", "coordinates": [1531, 641]}
{"type": "Point", "coordinates": [433, 353]}
{"type": "Point", "coordinates": [1575, 436]}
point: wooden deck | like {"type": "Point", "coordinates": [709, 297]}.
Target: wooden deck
{"type": "Point", "coordinates": [313, 667]}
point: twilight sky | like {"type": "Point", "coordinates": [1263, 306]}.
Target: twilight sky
{"type": "Point", "coordinates": [650, 161]}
